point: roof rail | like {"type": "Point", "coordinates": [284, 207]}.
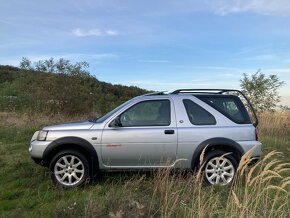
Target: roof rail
{"type": "Point", "coordinates": [214, 91]}
{"type": "Point", "coordinates": [220, 91]}
{"type": "Point", "coordinates": [154, 93]}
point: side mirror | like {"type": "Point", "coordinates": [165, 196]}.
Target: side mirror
{"type": "Point", "coordinates": [116, 122]}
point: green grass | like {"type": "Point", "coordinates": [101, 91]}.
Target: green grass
{"type": "Point", "coordinates": [26, 189]}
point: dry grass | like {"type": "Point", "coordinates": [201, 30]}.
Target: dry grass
{"type": "Point", "coordinates": [274, 123]}
{"type": "Point", "coordinates": [260, 190]}
{"type": "Point", "coordinates": [35, 120]}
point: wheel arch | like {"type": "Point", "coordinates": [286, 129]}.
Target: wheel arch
{"type": "Point", "coordinates": [76, 143]}
{"type": "Point", "coordinates": [219, 143]}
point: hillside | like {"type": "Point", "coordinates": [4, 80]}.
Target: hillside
{"type": "Point", "coordinates": [32, 91]}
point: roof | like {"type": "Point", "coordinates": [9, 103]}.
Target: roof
{"type": "Point", "coordinates": [210, 92]}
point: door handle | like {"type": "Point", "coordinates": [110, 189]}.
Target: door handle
{"type": "Point", "coordinates": [169, 131]}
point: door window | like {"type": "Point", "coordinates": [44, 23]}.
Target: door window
{"type": "Point", "coordinates": [147, 113]}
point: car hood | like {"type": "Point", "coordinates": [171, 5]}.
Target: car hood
{"type": "Point", "coordinates": [85, 124]}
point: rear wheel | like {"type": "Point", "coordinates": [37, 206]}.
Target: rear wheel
{"type": "Point", "coordinates": [69, 169]}
{"type": "Point", "coordinates": [219, 169]}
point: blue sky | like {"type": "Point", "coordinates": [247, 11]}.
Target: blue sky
{"type": "Point", "coordinates": [154, 44]}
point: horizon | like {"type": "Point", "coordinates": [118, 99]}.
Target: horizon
{"type": "Point", "coordinates": [158, 45]}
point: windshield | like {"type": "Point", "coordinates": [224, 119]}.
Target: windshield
{"type": "Point", "coordinates": [104, 117]}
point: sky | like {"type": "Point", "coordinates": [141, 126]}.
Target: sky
{"type": "Point", "coordinates": [159, 45]}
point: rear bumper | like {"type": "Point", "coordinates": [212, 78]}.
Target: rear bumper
{"type": "Point", "coordinates": [248, 145]}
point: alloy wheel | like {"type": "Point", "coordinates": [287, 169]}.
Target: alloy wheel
{"type": "Point", "coordinates": [69, 170]}
{"type": "Point", "coordinates": [219, 170]}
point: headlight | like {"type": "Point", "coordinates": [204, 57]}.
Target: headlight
{"type": "Point", "coordinates": [42, 135]}
{"type": "Point", "coordinates": [34, 137]}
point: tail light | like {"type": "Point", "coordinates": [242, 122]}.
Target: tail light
{"type": "Point", "coordinates": [257, 135]}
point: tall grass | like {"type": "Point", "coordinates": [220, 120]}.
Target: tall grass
{"type": "Point", "coordinates": [274, 123]}
{"type": "Point", "coordinates": [257, 191]}
{"type": "Point", "coordinates": [260, 190]}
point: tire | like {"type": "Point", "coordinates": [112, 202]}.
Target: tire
{"type": "Point", "coordinates": [219, 170]}
{"type": "Point", "coordinates": [69, 169]}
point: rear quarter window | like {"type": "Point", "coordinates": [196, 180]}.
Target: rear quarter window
{"type": "Point", "coordinates": [198, 115]}
{"type": "Point", "coordinates": [230, 106]}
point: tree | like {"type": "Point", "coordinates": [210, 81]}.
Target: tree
{"type": "Point", "coordinates": [262, 90]}
{"type": "Point", "coordinates": [40, 66]}
{"type": "Point", "coordinates": [61, 66]}
{"type": "Point", "coordinates": [50, 65]}
{"type": "Point", "coordinates": [56, 86]}
{"type": "Point", "coordinates": [25, 64]}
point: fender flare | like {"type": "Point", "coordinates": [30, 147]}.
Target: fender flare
{"type": "Point", "coordinates": [76, 142]}
{"type": "Point", "coordinates": [214, 142]}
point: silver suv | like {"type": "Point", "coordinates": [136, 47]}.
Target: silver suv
{"type": "Point", "coordinates": [153, 131]}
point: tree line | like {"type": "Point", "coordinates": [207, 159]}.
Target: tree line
{"type": "Point", "coordinates": [53, 87]}
{"type": "Point", "coordinates": [60, 86]}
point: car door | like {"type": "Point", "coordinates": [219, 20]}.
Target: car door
{"type": "Point", "coordinates": [147, 136]}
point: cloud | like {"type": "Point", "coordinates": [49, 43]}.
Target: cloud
{"type": "Point", "coordinates": [262, 57]}
{"type": "Point", "coordinates": [267, 55]}
{"type": "Point", "coordinates": [224, 7]}
{"type": "Point", "coordinates": [74, 57]}
{"type": "Point", "coordinates": [215, 68]}
{"type": "Point", "coordinates": [19, 43]}
{"type": "Point", "coordinates": [165, 7]}
{"type": "Point", "coordinates": [6, 22]}
{"type": "Point", "coordinates": [278, 70]}
{"type": "Point", "coordinates": [99, 57]}
{"type": "Point", "coordinates": [111, 32]}
{"type": "Point", "coordinates": [93, 32]}
{"type": "Point", "coordinates": [153, 61]}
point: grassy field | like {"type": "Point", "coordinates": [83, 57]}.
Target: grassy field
{"type": "Point", "coordinates": [26, 189]}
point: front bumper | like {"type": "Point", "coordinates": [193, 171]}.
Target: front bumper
{"type": "Point", "coordinates": [37, 148]}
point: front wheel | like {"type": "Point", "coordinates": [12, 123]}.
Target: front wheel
{"type": "Point", "coordinates": [69, 169]}
{"type": "Point", "coordinates": [219, 169]}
